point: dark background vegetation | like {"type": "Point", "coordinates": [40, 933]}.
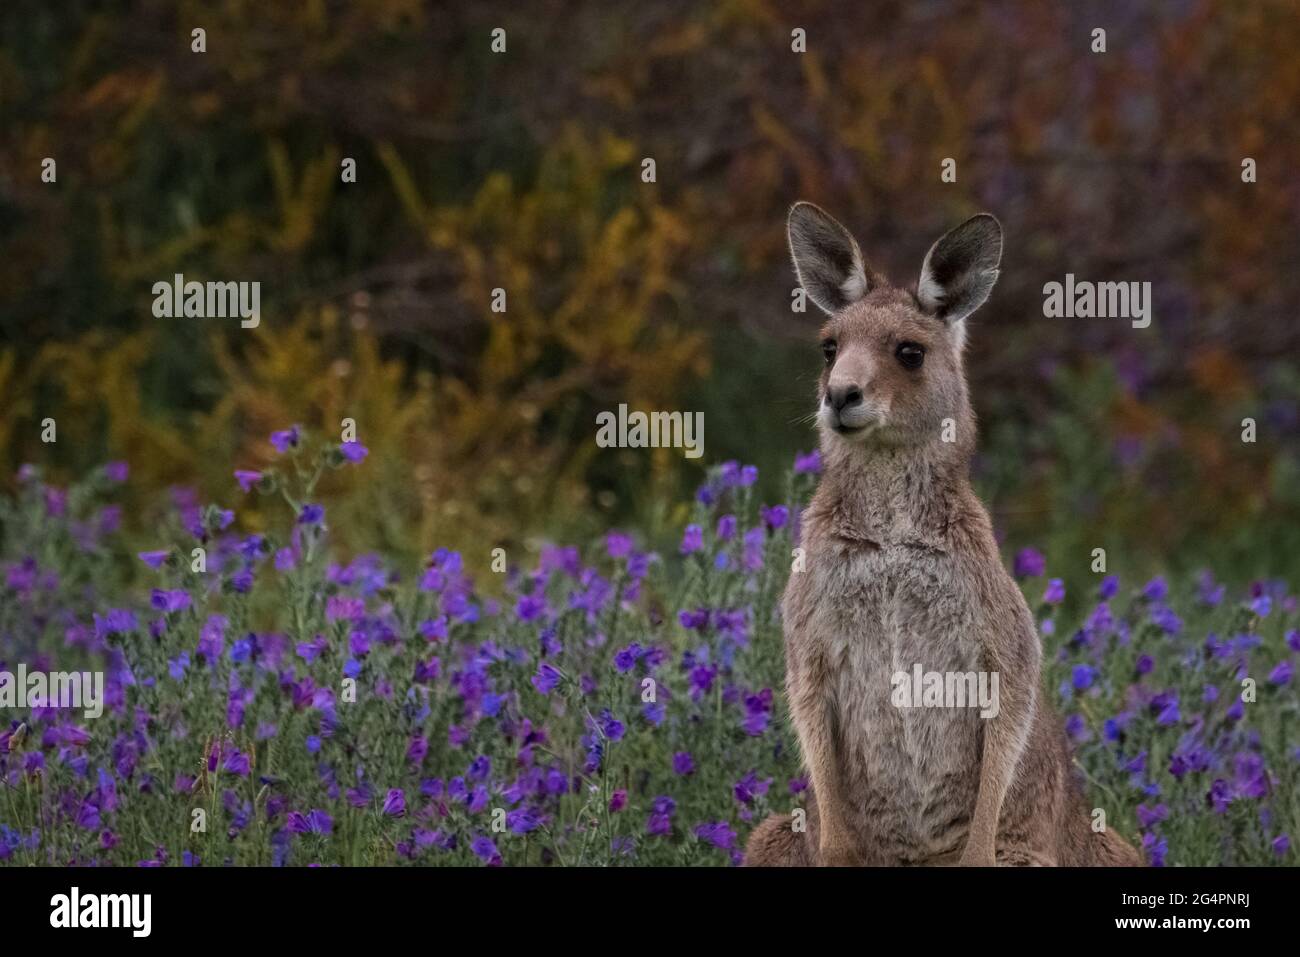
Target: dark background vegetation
{"type": "Point", "coordinates": [522, 171]}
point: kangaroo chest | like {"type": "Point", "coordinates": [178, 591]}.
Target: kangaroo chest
{"type": "Point", "coordinates": [898, 636]}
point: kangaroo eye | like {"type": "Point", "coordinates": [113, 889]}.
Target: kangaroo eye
{"type": "Point", "coordinates": [910, 355]}
{"type": "Point", "coordinates": [828, 350]}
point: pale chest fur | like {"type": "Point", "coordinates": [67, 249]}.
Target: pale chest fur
{"type": "Point", "coordinates": [872, 614]}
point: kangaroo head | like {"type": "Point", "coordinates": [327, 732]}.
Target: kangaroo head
{"type": "Point", "coordinates": [893, 356]}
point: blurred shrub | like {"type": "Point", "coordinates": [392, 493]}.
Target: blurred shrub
{"type": "Point", "coordinates": [479, 171]}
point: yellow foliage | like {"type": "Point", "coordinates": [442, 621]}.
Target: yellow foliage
{"type": "Point", "coordinates": [587, 257]}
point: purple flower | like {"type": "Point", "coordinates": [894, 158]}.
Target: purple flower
{"type": "Point", "coordinates": [170, 600]}
{"type": "Point", "coordinates": [1236, 711]}
{"type": "Point", "coordinates": [480, 768]}
{"type": "Point", "coordinates": [116, 471]}
{"type": "Point", "coordinates": [808, 464]}
{"type": "Point", "coordinates": [1082, 677]}
{"type": "Point", "coordinates": [610, 726]}
{"type": "Point", "coordinates": [625, 659]}
{"type": "Point", "coordinates": [435, 629]}
{"type": "Point", "coordinates": [212, 637]}
{"type": "Point", "coordinates": [660, 821]}
{"type": "Point", "coordinates": [310, 514]}
{"type": "Point", "coordinates": [286, 439]}
{"type": "Point", "coordinates": [88, 816]}
{"type": "Point", "coordinates": [522, 820]}
{"type": "Point", "coordinates": [1029, 563]}
{"type": "Point", "coordinates": [1261, 606]}
{"type": "Point", "coordinates": [431, 670]}
{"type": "Point", "coordinates": [696, 620]}
{"type": "Point", "coordinates": [1075, 728]}
{"type": "Point", "coordinates": [1147, 816]}
{"type": "Point", "coordinates": [758, 710]}
{"type": "Point", "coordinates": [247, 479]}
{"type": "Point", "coordinates": [1055, 593]}
{"type": "Point", "coordinates": [1100, 620]}
{"type": "Point", "coordinates": [717, 833]}
{"type": "Point", "coordinates": [485, 850]}
{"type": "Point", "coordinates": [237, 763]}
{"type": "Point", "coordinates": [750, 787]}
{"type": "Point", "coordinates": [1156, 589]}
{"type": "Point", "coordinates": [395, 803]}
{"type": "Point", "coordinates": [702, 680]}
{"type": "Point", "coordinates": [753, 548]}
{"type": "Point", "coordinates": [1211, 594]}
{"type": "Point", "coordinates": [244, 648]}
{"type": "Point", "coordinates": [1109, 587]}
{"type": "Point", "coordinates": [1164, 617]}
{"type": "Point", "coordinates": [56, 501]}
{"type": "Point", "coordinates": [177, 666]}
{"type": "Point", "coordinates": [692, 539]}
{"type": "Point", "coordinates": [547, 678]}
{"type": "Point", "coordinates": [345, 608]}
{"type": "Point", "coordinates": [1282, 673]}
{"type": "Point", "coordinates": [1156, 848]}
{"type": "Point", "coordinates": [530, 607]}
{"type": "Point", "coordinates": [354, 451]}
{"type": "Point", "coordinates": [1170, 713]}
{"type": "Point", "coordinates": [155, 559]}
{"type": "Point", "coordinates": [1144, 664]}
{"type": "Point", "coordinates": [618, 544]}
{"type": "Point", "coordinates": [1250, 779]}
{"type": "Point", "coordinates": [1281, 844]}
{"type": "Point", "coordinates": [317, 822]}
{"type": "Point", "coordinates": [775, 517]}
{"type": "Point", "coordinates": [683, 763]}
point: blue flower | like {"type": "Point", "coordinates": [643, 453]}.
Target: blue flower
{"type": "Point", "coordinates": [1156, 589]}
{"type": "Point", "coordinates": [1082, 677]}
{"type": "Point", "coordinates": [353, 451]}
{"type": "Point", "coordinates": [170, 601]}
{"type": "Point", "coordinates": [610, 726]}
{"type": "Point", "coordinates": [547, 678]}
{"type": "Point", "coordinates": [692, 539]}
{"type": "Point", "coordinates": [286, 439]}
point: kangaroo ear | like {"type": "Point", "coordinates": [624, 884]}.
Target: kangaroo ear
{"type": "Point", "coordinates": [960, 269]}
{"type": "Point", "coordinates": [826, 259]}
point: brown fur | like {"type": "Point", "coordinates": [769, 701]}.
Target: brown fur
{"type": "Point", "coordinates": [901, 568]}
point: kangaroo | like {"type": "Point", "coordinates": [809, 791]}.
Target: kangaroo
{"type": "Point", "coordinates": [902, 572]}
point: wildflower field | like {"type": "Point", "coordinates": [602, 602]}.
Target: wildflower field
{"type": "Point", "coordinates": [271, 701]}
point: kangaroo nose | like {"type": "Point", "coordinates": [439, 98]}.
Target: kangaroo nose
{"type": "Point", "coordinates": [841, 397]}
